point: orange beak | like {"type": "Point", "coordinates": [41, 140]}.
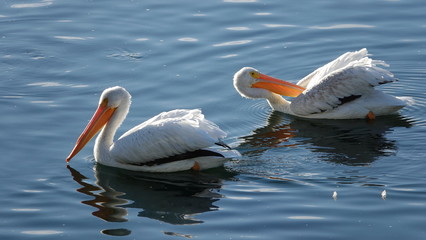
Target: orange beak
{"type": "Point", "coordinates": [98, 121]}
{"type": "Point", "coordinates": [278, 86]}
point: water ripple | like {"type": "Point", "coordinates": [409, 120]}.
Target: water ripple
{"type": "Point", "coordinates": [127, 55]}
{"type": "Point", "coordinates": [263, 14]}
{"type": "Point", "coordinates": [41, 232]}
{"type": "Point", "coordinates": [56, 84]}
{"type": "Point", "coordinates": [342, 26]}
{"type": "Point", "coordinates": [43, 3]}
{"type": "Point", "coordinates": [228, 56]}
{"type": "Point", "coordinates": [240, 1]}
{"type": "Point", "coordinates": [275, 25]}
{"type": "Point", "coordinates": [232, 43]}
{"type": "Point", "coordinates": [72, 38]}
{"type": "Point", "coordinates": [188, 39]}
{"type": "Point", "coordinates": [238, 28]}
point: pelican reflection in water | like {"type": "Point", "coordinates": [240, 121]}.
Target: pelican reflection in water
{"type": "Point", "coordinates": [174, 198]}
{"type": "Point", "coordinates": [351, 142]}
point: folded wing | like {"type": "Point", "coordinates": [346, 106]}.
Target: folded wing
{"type": "Point", "coordinates": [343, 80]}
{"type": "Point", "coordinates": [165, 135]}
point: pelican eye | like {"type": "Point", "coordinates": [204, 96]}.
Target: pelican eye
{"type": "Point", "coordinates": [254, 74]}
{"type": "Point", "coordinates": [104, 102]}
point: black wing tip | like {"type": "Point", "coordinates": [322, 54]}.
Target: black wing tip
{"type": "Point", "coordinates": [347, 99]}
{"type": "Point", "coordinates": [180, 157]}
{"type": "Point", "coordinates": [222, 144]}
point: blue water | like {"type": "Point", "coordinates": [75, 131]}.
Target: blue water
{"type": "Point", "coordinates": [56, 57]}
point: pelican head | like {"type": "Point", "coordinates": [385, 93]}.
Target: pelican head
{"type": "Point", "coordinates": [115, 97]}
{"type": "Point", "coordinates": [113, 107]}
{"type": "Point", "coordinates": [250, 83]}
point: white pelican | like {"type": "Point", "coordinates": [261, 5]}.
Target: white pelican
{"type": "Point", "coordinates": [171, 141]}
{"type": "Point", "coordinates": [341, 89]}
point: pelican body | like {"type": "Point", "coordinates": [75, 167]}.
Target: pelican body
{"type": "Point", "coordinates": [341, 89]}
{"type": "Point", "coordinates": [171, 141]}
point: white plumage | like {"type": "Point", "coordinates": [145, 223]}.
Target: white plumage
{"type": "Point", "coordinates": [160, 144]}
{"type": "Point", "coordinates": [165, 135]}
{"type": "Point", "coordinates": [341, 89]}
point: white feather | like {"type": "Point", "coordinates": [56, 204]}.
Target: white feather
{"type": "Point", "coordinates": [165, 135]}
{"type": "Point", "coordinates": [341, 89]}
{"type": "Point", "coordinates": [356, 80]}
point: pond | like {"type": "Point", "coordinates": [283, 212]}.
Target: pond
{"type": "Point", "coordinates": [296, 179]}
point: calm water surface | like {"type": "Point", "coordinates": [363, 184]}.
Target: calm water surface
{"type": "Point", "coordinates": [57, 56]}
